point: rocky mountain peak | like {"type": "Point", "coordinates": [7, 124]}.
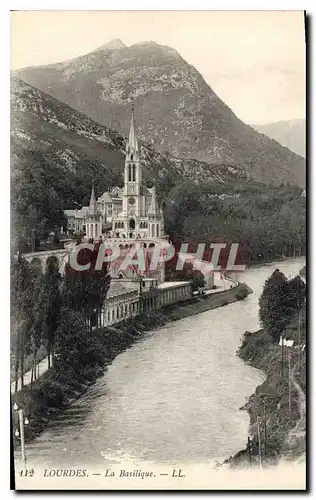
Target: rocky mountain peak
{"type": "Point", "coordinates": [175, 109]}
{"type": "Point", "coordinates": [115, 44]}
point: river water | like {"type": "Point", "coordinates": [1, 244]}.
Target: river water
{"type": "Point", "coordinates": [173, 396]}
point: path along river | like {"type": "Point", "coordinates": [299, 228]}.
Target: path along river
{"type": "Point", "coordinates": [173, 396]}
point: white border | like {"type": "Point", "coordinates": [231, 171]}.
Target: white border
{"type": "Point", "coordinates": [5, 155]}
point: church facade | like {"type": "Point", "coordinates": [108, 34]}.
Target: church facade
{"type": "Point", "coordinates": [131, 212]}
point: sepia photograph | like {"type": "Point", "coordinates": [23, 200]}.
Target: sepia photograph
{"type": "Point", "coordinates": [158, 201]}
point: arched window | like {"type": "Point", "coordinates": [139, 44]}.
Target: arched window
{"type": "Point", "coordinates": [153, 230]}
{"type": "Point", "coordinates": [134, 173]}
{"type": "Point", "coordinates": [129, 173]}
{"type": "Point", "coordinates": [157, 230]}
{"type": "Point", "coordinates": [131, 157]}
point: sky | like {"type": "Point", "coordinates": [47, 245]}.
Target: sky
{"type": "Point", "coordinates": [253, 60]}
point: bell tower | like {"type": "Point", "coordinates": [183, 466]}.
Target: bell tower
{"type": "Point", "coordinates": [133, 199]}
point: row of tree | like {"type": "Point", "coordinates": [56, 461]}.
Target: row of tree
{"type": "Point", "coordinates": [55, 312]}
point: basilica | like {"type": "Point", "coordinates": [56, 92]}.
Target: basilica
{"type": "Point", "coordinates": [130, 212]}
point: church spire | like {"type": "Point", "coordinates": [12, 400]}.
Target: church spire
{"type": "Point", "coordinates": [132, 145]}
{"type": "Point", "coordinates": [93, 201]}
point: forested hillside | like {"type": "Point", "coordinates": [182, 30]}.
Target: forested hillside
{"type": "Point", "coordinates": [267, 221]}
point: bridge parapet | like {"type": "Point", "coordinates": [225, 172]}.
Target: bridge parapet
{"type": "Point", "coordinates": [46, 253]}
{"type": "Point", "coordinates": [43, 256]}
{"type": "Point", "coordinates": [60, 253]}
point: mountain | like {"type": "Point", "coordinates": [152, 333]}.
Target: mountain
{"type": "Point", "coordinates": [289, 133]}
{"type": "Point", "coordinates": [42, 125]}
{"type": "Point", "coordinates": [175, 109]}
{"type": "Point", "coordinates": [56, 152]}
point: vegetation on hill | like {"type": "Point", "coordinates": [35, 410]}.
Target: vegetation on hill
{"type": "Point", "coordinates": [268, 222]}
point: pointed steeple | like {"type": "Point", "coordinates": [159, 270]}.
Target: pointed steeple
{"type": "Point", "coordinates": [93, 201]}
{"type": "Point", "coordinates": [132, 145]}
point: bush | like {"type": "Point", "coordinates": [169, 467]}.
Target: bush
{"type": "Point", "coordinates": [242, 292]}
{"type": "Point", "coordinates": [252, 344]}
{"type": "Point", "coordinates": [197, 281]}
{"type": "Point", "coordinates": [51, 393]}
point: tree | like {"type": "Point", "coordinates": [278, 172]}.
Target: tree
{"type": "Point", "coordinates": [273, 304]}
{"type": "Point", "coordinates": [197, 281]}
{"type": "Point", "coordinates": [71, 342]}
{"type": "Point", "coordinates": [50, 309]}
{"type": "Point", "coordinates": [297, 293]}
{"type": "Point", "coordinates": [75, 348]}
{"type": "Point", "coordinates": [279, 301]}
{"type": "Point", "coordinates": [26, 284]}
{"type": "Point", "coordinates": [85, 291]}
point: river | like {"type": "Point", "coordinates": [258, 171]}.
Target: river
{"type": "Point", "coordinates": [173, 396]}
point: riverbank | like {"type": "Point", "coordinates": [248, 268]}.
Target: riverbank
{"type": "Point", "coordinates": [277, 409]}
{"type": "Point", "coordinates": [53, 392]}
{"type": "Point", "coordinates": [272, 260]}
{"type": "Point", "coordinates": [303, 272]}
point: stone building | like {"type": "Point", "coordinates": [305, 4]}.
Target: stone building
{"type": "Point", "coordinates": [131, 212]}
{"type": "Point", "coordinates": [130, 298]}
